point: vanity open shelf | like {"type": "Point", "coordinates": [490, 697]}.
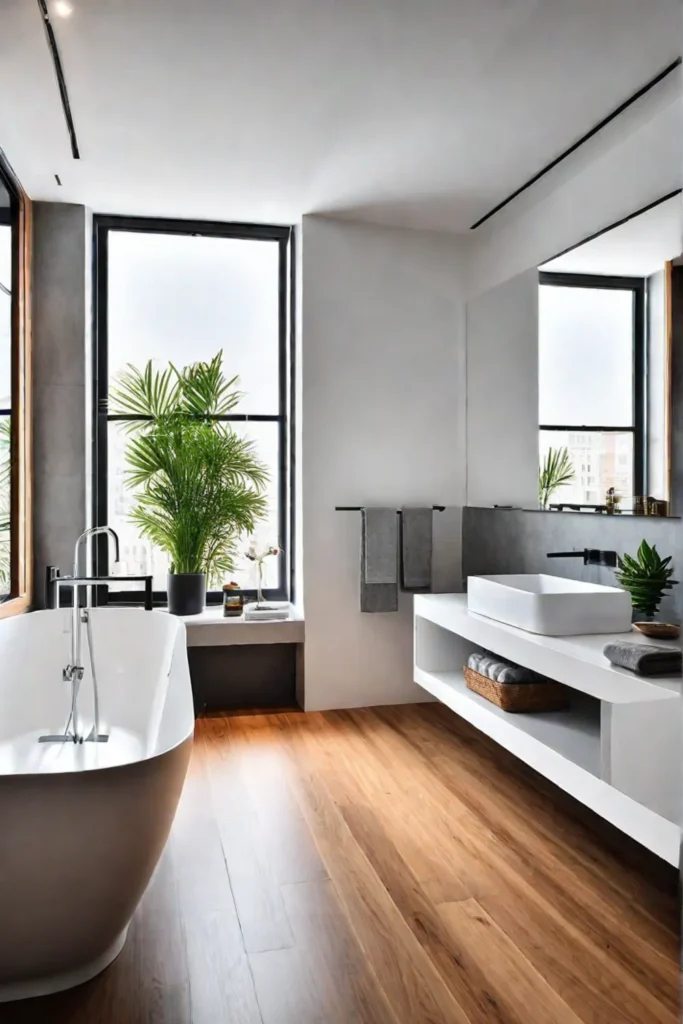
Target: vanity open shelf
{"type": "Point", "coordinates": [616, 748]}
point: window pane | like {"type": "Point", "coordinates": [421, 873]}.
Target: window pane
{"type": "Point", "coordinates": [5, 312]}
{"type": "Point", "coordinates": [585, 356]}
{"type": "Point", "coordinates": [140, 557]}
{"type": "Point", "coordinates": [183, 298]}
{"type": "Point", "coordinates": [5, 547]}
{"type": "Point", "coordinates": [600, 460]}
{"type": "Point", "coordinates": [5, 392]}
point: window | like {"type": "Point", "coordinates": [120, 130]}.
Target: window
{"type": "Point", "coordinates": [5, 389]}
{"type": "Point", "coordinates": [16, 555]}
{"type": "Point", "coordinates": [592, 382]}
{"type": "Point", "coordinates": [173, 291]}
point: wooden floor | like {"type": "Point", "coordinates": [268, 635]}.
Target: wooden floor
{"type": "Point", "coordinates": [386, 866]}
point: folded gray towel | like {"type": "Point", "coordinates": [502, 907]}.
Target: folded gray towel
{"type": "Point", "coordinates": [379, 560]}
{"type": "Point", "coordinates": [416, 548]}
{"type": "Point", "coordinates": [645, 660]}
{"type": "Point", "coordinates": [493, 667]}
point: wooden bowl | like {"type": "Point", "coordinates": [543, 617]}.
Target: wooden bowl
{"type": "Point", "coordinates": [658, 630]}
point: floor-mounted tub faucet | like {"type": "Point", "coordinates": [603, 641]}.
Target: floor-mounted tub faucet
{"type": "Point", "coordinates": [73, 673]}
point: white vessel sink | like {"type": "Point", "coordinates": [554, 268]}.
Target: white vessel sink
{"type": "Point", "coordinates": [550, 605]}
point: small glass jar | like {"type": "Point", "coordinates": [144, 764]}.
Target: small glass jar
{"type": "Point", "coordinates": [233, 600]}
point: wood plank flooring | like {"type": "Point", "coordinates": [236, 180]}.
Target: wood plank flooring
{"type": "Point", "coordinates": [384, 866]}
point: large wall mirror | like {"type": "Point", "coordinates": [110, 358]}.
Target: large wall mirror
{"type": "Point", "coordinates": [15, 442]}
{"type": "Point", "coordinates": [605, 368]}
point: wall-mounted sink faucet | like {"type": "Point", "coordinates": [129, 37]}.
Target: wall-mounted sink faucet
{"type": "Point", "coordinates": [591, 556]}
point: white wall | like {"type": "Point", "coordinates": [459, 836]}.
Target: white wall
{"type": "Point", "coordinates": [638, 160]}
{"type": "Point", "coordinates": [502, 394]}
{"type": "Point", "coordinates": [383, 417]}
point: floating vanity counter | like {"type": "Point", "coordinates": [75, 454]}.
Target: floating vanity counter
{"type": "Point", "coordinates": [618, 747]}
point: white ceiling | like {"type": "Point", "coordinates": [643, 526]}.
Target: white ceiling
{"type": "Point", "coordinates": [636, 249]}
{"type": "Point", "coordinates": [424, 114]}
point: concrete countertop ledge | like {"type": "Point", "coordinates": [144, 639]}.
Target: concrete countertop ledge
{"type": "Point", "coordinates": [212, 629]}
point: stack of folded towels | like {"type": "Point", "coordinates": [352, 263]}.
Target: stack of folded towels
{"type": "Point", "coordinates": [493, 667]}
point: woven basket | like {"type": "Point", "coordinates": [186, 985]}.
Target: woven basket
{"type": "Point", "coordinates": [518, 696]}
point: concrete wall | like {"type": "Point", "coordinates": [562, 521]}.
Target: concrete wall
{"type": "Point", "coordinates": [383, 422]}
{"type": "Point", "coordinates": [502, 394]}
{"type": "Point", "coordinates": [515, 541]}
{"type": "Point", "coordinates": [61, 332]}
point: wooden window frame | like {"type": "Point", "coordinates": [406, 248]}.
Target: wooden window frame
{"type": "Point", "coordinates": [21, 447]}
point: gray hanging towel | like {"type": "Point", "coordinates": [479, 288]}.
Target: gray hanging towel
{"type": "Point", "coordinates": [379, 560]}
{"type": "Point", "coordinates": [416, 548]}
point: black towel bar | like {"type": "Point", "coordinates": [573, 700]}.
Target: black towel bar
{"type": "Point", "coordinates": [359, 508]}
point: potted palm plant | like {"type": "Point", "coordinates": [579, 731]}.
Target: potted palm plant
{"type": "Point", "coordinates": [198, 485]}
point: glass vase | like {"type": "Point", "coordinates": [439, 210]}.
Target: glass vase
{"type": "Point", "coordinates": [259, 593]}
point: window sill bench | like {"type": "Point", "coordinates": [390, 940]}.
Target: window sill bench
{"type": "Point", "coordinates": [211, 629]}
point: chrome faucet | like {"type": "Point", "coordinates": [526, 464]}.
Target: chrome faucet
{"type": "Point", "coordinates": [73, 673]}
{"type": "Point", "coordinates": [93, 532]}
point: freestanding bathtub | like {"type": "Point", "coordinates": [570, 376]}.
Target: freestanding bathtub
{"type": "Point", "coordinates": [82, 826]}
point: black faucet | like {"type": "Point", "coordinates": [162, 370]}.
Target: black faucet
{"type": "Point", "coordinates": [591, 556]}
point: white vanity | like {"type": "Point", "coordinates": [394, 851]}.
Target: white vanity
{"type": "Point", "coordinates": [618, 747]}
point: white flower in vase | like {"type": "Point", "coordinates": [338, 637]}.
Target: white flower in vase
{"type": "Point", "coordinates": [257, 554]}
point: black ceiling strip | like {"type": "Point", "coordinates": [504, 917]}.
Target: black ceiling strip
{"type": "Point", "coordinates": [5, 289]}
{"type": "Point", "coordinates": [616, 224]}
{"type": "Point", "coordinates": [580, 142]}
{"type": "Point", "coordinates": [61, 81]}
{"type": "Point", "coordinates": [58, 179]}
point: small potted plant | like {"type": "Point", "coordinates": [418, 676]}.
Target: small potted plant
{"type": "Point", "coordinates": [647, 577]}
{"type": "Point", "coordinates": [259, 556]}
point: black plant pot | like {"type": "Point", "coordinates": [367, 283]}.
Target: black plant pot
{"type": "Point", "coordinates": [186, 593]}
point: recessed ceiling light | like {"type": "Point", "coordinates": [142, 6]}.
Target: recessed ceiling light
{"type": "Point", "coordinates": [62, 8]}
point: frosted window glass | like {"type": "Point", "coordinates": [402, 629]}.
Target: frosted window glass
{"type": "Point", "coordinates": [5, 316]}
{"type": "Point", "coordinates": [181, 298]}
{"type": "Point", "coordinates": [5, 399]}
{"type": "Point", "coordinates": [585, 356]}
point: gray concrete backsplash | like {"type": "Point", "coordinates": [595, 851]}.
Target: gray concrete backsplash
{"type": "Point", "coordinates": [516, 541]}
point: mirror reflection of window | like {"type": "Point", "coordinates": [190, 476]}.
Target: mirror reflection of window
{"type": "Point", "coordinates": [590, 331]}
{"type": "Point", "coordinates": [606, 386]}
{"type": "Point", "coordinates": [5, 385]}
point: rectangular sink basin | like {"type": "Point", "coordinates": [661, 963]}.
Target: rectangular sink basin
{"type": "Point", "coordinates": [550, 605]}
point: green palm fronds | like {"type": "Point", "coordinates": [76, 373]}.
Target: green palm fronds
{"type": "Point", "coordinates": [555, 471]}
{"type": "Point", "coordinates": [646, 578]}
{"type": "Point", "coordinates": [198, 485]}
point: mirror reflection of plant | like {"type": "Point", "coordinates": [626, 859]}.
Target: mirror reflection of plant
{"type": "Point", "coordinates": [198, 485]}
{"type": "Point", "coordinates": [646, 577]}
{"type": "Point", "coordinates": [5, 498]}
{"type": "Point", "coordinates": [555, 471]}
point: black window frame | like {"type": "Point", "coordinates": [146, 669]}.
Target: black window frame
{"type": "Point", "coordinates": [636, 285]}
{"type": "Point", "coordinates": [284, 236]}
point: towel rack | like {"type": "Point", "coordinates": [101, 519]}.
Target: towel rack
{"type": "Point", "coordinates": [361, 508]}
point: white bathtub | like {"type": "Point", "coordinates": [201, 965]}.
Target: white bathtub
{"type": "Point", "coordinates": [82, 826]}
